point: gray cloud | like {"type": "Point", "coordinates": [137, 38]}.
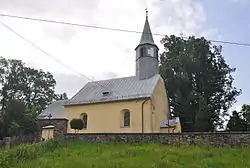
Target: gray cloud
{"type": "Point", "coordinates": [68, 83]}
{"type": "Point", "coordinates": [55, 7]}
{"type": "Point", "coordinates": [109, 75]}
{"type": "Point", "coordinates": [71, 83]}
{"type": "Point", "coordinates": [78, 11]}
{"type": "Point", "coordinates": [171, 16]}
{"type": "Point", "coordinates": [64, 33]}
{"type": "Point", "coordinates": [180, 16]}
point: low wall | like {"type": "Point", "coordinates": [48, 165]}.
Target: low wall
{"type": "Point", "coordinates": [9, 142]}
{"type": "Point", "coordinates": [59, 124]}
{"type": "Point", "coordinates": [214, 139]}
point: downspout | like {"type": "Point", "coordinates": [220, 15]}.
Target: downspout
{"type": "Point", "coordinates": [151, 116]}
{"type": "Point", "coordinates": [142, 115]}
{"type": "Point", "coordinates": [168, 125]}
{"type": "Point", "coordinates": [169, 112]}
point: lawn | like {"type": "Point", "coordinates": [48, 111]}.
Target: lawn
{"type": "Point", "coordinates": [110, 155]}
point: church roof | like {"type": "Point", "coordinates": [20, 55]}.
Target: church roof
{"type": "Point", "coordinates": [117, 89]}
{"type": "Point", "coordinates": [53, 111]}
{"type": "Point", "coordinates": [114, 90]}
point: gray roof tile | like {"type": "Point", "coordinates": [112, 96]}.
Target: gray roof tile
{"type": "Point", "coordinates": [54, 109]}
{"type": "Point", "coordinates": [146, 36]}
{"type": "Point", "coordinates": [119, 88]}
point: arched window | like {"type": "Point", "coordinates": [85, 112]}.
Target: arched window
{"type": "Point", "coordinates": [126, 118]}
{"type": "Point", "coordinates": [142, 50]}
{"type": "Point", "coordinates": [84, 118]}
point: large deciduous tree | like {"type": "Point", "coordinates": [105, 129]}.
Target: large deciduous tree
{"type": "Point", "coordinates": [198, 81]}
{"type": "Point", "coordinates": [24, 93]}
{"type": "Point", "coordinates": [33, 87]}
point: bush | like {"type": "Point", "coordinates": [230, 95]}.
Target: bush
{"type": "Point", "coordinates": [27, 152]}
{"type": "Point", "coordinates": [76, 124]}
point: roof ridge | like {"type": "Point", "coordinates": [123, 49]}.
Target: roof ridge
{"type": "Point", "coordinates": [111, 79]}
{"type": "Point", "coordinates": [120, 78]}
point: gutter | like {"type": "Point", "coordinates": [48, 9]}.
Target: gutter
{"type": "Point", "coordinates": [68, 104]}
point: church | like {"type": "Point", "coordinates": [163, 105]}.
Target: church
{"type": "Point", "coordinates": [135, 104]}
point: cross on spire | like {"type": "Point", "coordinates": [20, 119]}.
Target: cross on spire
{"type": "Point", "coordinates": [146, 12]}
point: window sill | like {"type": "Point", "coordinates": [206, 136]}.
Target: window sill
{"type": "Point", "coordinates": [125, 127]}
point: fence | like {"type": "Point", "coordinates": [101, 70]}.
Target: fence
{"type": "Point", "coordinates": [9, 142]}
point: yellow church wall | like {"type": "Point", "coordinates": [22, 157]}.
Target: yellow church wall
{"type": "Point", "coordinates": [147, 125]}
{"type": "Point", "coordinates": [160, 106]}
{"type": "Point", "coordinates": [107, 117]}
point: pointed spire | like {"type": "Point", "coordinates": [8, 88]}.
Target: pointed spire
{"type": "Point", "coordinates": [146, 36]}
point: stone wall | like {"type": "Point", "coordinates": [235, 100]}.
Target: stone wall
{"type": "Point", "coordinates": [9, 142]}
{"type": "Point", "coordinates": [214, 139]}
{"type": "Point", "coordinates": [59, 124]}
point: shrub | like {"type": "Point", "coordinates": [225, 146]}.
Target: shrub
{"type": "Point", "coordinates": [76, 124]}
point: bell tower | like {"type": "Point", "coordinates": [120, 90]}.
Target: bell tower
{"type": "Point", "coordinates": [146, 54]}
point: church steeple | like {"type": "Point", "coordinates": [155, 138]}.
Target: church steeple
{"type": "Point", "coordinates": [146, 36]}
{"type": "Point", "coordinates": [146, 54]}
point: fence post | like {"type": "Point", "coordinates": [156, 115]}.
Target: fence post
{"type": "Point", "coordinates": [7, 142]}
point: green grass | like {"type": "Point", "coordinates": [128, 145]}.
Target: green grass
{"type": "Point", "coordinates": [117, 155]}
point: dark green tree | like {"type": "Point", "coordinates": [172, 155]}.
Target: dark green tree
{"type": "Point", "coordinates": [10, 117]}
{"type": "Point", "coordinates": [35, 88]}
{"type": "Point", "coordinates": [76, 124]}
{"type": "Point", "coordinates": [245, 110]}
{"type": "Point", "coordinates": [17, 120]}
{"type": "Point", "coordinates": [62, 96]}
{"type": "Point", "coordinates": [198, 81]}
{"type": "Point", "coordinates": [24, 93]}
{"type": "Point", "coordinates": [236, 122]}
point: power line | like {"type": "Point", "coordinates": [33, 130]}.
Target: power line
{"type": "Point", "coordinates": [51, 56]}
{"type": "Point", "coordinates": [111, 29]}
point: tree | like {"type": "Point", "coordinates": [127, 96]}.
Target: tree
{"type": "Point", "coordinates": [33, 87]}
{"type": "Point", "coordinates": [62, 96]}
{"type": "Point", "coordinates": [24, 93]}
{"type": "Point", "coordinates": [240, 121]}
{"type": "Point", "coordinates": [76, 124]}
{"type": "Point", "coordinates": [16, 120]}
{"type": "Point", "coordinates": [245, 110]}
{"type": "Point", "coordinates": [199, 82]}
{"type": "Point", "coordinates": [236, 122]}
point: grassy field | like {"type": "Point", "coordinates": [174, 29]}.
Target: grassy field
{"type": "Point", "coordinates": [110, 155]}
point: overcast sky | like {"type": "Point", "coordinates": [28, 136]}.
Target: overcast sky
{"type": "Point", "coordinates": [103, 54]}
